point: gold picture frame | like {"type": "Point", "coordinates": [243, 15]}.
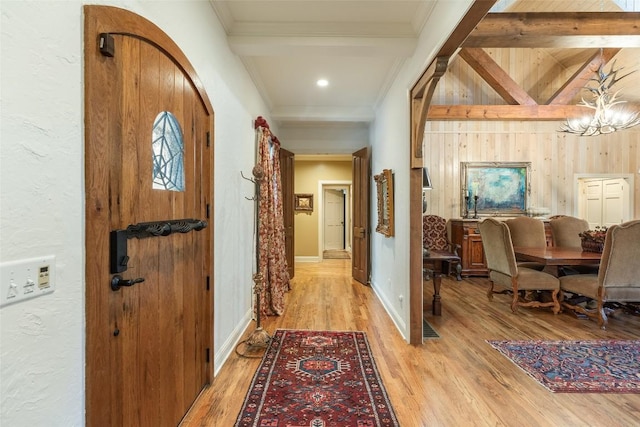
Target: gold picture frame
{"type": "Point", "coordinates": [303, 202]}
{"type": "Point", "coordinates": [494, 188]}
{"type": "Point", "coordinates": [384, 186]}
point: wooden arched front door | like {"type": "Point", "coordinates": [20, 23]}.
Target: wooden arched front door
{"type": "Point", "coordinates": [149, 159]}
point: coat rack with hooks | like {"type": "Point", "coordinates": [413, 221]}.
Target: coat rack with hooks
{"type": "Point", "coordinates": [259, 338]}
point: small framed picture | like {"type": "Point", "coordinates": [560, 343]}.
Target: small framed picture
{"type": "Point", "coordinates": [303, 202]}
{"type": "Point", "coordinates": [384, 185]}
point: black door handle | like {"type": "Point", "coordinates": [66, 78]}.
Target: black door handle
{"type": "Point", "coordinates": [117, 282]}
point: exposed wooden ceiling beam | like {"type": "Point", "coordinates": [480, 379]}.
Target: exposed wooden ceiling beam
{"type": "Point", "coordinates": [420, 92]}
{"type": "Point", "coordinates": [522, 107]}
{"type": "Point", "coordinates": [504, 112]}
{"type": "Point", "coordinates": [522, 29]}
{"type": "Point", "coordinates": [496, 77]}
{"type": "Point", "coordinates": [557, 30]}
{"type": "Point", "coordinates": [476, 13]}
{"type": "Point", "coordinates": [566, 93]}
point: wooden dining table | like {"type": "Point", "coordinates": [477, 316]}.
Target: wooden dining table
{"type": "Point", "coordinates": [554, 257]}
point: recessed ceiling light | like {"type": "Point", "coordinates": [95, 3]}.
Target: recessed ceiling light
{"type": "Point", "coordinates": [323, 82]}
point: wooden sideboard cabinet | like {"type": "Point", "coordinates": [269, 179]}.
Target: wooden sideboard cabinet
{"type": "Point", "coordinates": [465, 233]}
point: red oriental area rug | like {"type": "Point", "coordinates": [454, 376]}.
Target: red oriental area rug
{"type": "Point", "coordinates": [317, 379]}
{"type": "Point", "coordinates": [594, 366]}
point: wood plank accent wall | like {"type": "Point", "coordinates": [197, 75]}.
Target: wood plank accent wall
{"type": "Point", "coordinates": [555, 156]}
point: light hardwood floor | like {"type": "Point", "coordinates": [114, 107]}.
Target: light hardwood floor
{"type": "Point", "coordinates": [455, 380]}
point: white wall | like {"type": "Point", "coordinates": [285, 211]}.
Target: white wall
{"type": "Point", "coordinates": [42, 191]}
{"type": "Point", "coordinates": [390, 136]}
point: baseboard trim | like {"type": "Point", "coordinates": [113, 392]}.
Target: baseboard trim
{"type": "Point", "coordinates": [308, 259]}
{"type": "Point", "coordinates": [230, 344]}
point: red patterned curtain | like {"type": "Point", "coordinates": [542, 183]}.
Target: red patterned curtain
{"type": "Point", "coordinates": [272, 260]}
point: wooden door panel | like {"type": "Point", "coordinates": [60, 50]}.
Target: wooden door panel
{"type": "Point", "coordinates": [145, 94]}
{"type": "Point", "coordinates": [476, 253]}
{"type": "Point", "coordinates": [613, 200]}
{"type": "Point", "coordinates": [136, 339]}
{"type": "Point", "coordinates": [147, 345]}
{"type": "Point", "coordinates": [361, 233]}
{"type": "Point", "coordinates": [593, 203]}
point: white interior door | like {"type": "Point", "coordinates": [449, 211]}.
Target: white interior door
{"type": "Point", "coordinates": [593, 203]}
{"type": "Point", "coordinates": [613, 201]}
{"type": "Point", "coordinates": [604, 201]}
{"type": "Point", "coordinates": [334, 203]}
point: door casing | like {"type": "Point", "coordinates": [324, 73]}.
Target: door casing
{"type": "Point", "coordinates": [580, 198]}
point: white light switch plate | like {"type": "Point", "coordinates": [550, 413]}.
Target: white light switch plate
{"type": "Point", "coordinates": [26, 278]}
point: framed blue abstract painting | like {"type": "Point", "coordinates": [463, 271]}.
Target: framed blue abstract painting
{"type": "Point", "coordinates": [495, 188]}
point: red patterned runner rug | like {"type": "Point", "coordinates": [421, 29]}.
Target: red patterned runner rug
{"type": "Point", "coordinates": [317, 379]}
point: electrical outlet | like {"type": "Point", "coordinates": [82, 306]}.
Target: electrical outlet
{"type": "Point", "coordinates": [27, 278]}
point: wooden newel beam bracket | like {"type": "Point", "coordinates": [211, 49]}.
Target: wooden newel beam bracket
{"type": "Point", "coordinates": [421, 95]}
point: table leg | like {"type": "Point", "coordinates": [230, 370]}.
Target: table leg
{"type": "Point", "coordinates": [554, 270]}
{"type": "Point", "coordinates": [437, 305]}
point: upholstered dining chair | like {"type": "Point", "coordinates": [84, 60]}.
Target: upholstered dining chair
{"type": "Point", "coordinates": [527, 232]}
{"type": "Point", "coordinates": [505, 273]}
{"type": "Point", "coordinates": [618, 279]}
{"type": "Point", "coordinates": [435, 236]}
{"type": "Point", "coordinates": [566, 233]}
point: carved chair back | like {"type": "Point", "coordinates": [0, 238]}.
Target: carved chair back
{"type": "Point", "coordinates": [434, 233]}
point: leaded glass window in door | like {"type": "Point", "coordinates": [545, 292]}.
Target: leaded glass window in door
{"type": "Point", "coordinates": [168, 153]}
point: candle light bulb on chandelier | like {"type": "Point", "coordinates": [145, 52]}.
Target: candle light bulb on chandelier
{"type": "Point", "coordinates": [608, 116]}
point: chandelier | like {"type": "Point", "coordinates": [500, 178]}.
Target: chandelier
{"type": "Point", "coordinates": [606, 117]}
